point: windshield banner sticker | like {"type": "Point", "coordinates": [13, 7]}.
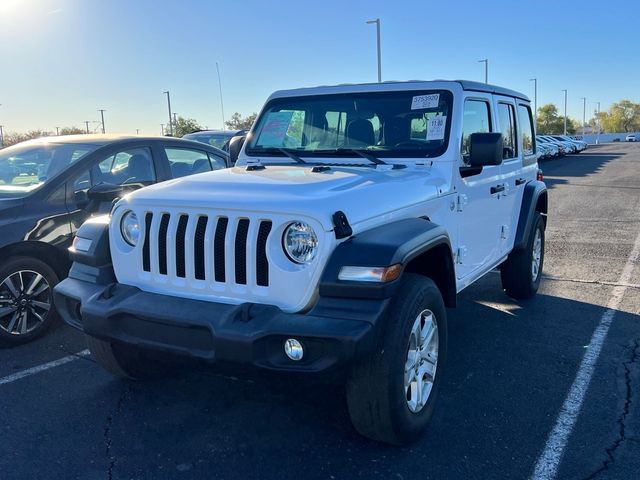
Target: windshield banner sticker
{"type": "Point", "coordinates": [275, 128]}
{"type": "Point", "coordinates": [435, 128]}
{"type": "Point", "coordinates": [425, 101]}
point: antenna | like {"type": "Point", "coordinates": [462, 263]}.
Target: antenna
{"type": "Point", "coordinates": [221, 102]}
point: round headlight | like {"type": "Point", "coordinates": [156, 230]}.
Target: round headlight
{"type": "Point", "coordinates": [130, 228]}
{"type": "Point", "coordinates": [300, 242]}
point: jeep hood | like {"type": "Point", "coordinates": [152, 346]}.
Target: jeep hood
{"type": "Point", "coordinates": [361, 193]}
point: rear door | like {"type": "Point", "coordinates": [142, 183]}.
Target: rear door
{"type": "Point", "coordinates": [510, 170]}
{"type": "Point", "coordinates": [183, 161]}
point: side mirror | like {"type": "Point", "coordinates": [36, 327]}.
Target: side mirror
{"type": "Point", "coordinates": [105, 192]}
{"type": "Point", "coordinates": [235, 145]}
{"type": "Point", "coordinates": [485, 149]}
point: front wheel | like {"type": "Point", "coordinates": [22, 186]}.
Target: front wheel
{"type": "Point", "coordinates": [127, 361]}
{"type": "Point", "coordinates": [391, 394]}
{"type": "Point", "coordinates": [26, 307]}
{"type": "Point", "coordinates": [521, 272]}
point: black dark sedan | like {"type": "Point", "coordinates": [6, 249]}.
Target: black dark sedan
{"type": "Point", "coordinates": [49, 187]}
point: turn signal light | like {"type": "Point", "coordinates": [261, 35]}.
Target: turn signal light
{"type": "Point", "coordinates": [370, 274]}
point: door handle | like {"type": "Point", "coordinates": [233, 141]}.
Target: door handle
{"type": "Point", "coordinates": [497, 189]}
{"type": "Point", "coordinates": [520, 181]}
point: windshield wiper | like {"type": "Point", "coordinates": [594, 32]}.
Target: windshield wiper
{"type": "Point", "coordinates": [291, 155]}
{"type": "Point", "coordinates": [360, 153]}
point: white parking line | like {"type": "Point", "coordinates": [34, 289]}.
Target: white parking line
{"type": "Point", "coordinates": [41, 368]}
{"type": "Point", "coordinates": [549, 461]}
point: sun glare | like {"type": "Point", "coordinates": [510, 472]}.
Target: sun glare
{"type": "Point", "coordinates": [9, 6]}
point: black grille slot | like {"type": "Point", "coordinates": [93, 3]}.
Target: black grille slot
{"type": "Point", "coordinates": [262, 264]}
{"type": "Point", "coordinates": [198, 248]}
{"type": "Point", "coordinates": [180, 253]}
{"type": "Point", "coordinates": [241, 251]}
{"type": "Point", "coordinates": [218, 248]}
{"type": "Point", "coordinates": [162, 244]}
{"type": "Point", "coordinates": [146, 255]}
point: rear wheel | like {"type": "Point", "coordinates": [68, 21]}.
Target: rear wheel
{"type": "Point", "coordinates": [391, 394]}
{"type": "Point", "coordinates": [26, 306]}
{"type": "Point", "coordinates": [521, 272]}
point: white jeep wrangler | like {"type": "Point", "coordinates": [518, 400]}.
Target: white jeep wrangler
{"type": "Point", "coordinates": [352, 218]}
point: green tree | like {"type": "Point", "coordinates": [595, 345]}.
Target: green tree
{"type": "Point", "coordinates": [623, 116]}
{"type": "Point", "coordinates": [237, 122]}
{"type": "Point", "coordinates": [550, 122]}
{"type": "Point", "coordinates": [183, 126]}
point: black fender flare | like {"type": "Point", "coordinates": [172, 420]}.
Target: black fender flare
{"type": "Point", "coordinates": [397, 242]}
{"type": "Point", "coordinates": [534, 199]}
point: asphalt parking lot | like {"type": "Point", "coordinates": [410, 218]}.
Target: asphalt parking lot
{"type": "Point", "coordinates": [511, 368]}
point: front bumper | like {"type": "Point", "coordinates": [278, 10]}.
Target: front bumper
{"type": "Point", "coordinates": [335, 332]}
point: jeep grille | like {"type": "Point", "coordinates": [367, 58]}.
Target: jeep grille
{"type": "Point", "coordinates": [205, 253]}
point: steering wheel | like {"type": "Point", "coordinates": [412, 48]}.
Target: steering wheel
{"type": "Point", "coordinates": [409, 143]}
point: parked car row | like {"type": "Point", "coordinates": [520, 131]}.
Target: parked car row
{"type": "Point", "coordinates": [553, 146]}
{"type": "Point", "coordinates": [216, 138]}
{"type": "Point", "coordinates": [49, 187]}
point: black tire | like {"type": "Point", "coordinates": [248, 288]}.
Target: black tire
{"type": "Point", "coordinates": [516, 273]}
{"type": "Point", "coordinates": [127, 361]}
{"type": "Point", "coordinates": [376, 395]}
{"type": "Point", "coordinates": [38, 319]}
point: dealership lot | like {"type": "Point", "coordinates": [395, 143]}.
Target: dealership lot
{"type": "Point", "coordinates": [511, 366]}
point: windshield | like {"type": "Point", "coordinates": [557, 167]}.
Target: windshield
{"type": "Point", "coordinates": [387, 124]}
{"type": "Point", "coordinates": [218, 140]}
{"type": "Point", "coordinates": [25, 167]}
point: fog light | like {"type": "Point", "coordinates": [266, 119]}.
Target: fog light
{"type": "Point", "coordinates": [293, 349]}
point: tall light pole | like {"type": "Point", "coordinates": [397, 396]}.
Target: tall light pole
{"type": "Point", "coordinates": [377, 22]}
{"type": "Point", "coordinates": [221, 102]}
{"type": "Point", "coordinates": [486, 69]}
{"type": "Point", "coordinates": [565, 111]}
{"type": "Point", "coordinates": [86, 122]}
{"type": "Point", "coordinates": [169, 107]}
{"type": "Point", "coordinates": [598, 123]}
{"type": "Point", "coordinates": [584, 112]}
{"type": "Point", "coordinates": [102, 110]}
{"type": "Point", "coordinates": [535, 100]}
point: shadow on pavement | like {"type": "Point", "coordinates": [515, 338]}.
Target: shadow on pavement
{"type": "Point", "coordinates": [580, 165]}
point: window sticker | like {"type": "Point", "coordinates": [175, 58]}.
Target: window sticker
{"type": "Point", "coordinates": [275, 128]}
{"type": "Point", "coordinates": [435, 128]}
{"type": "Point", "coordinates": [425, 101]}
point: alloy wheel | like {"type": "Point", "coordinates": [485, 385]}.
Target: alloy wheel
{"type": "Point", "coordinates": [25, 301]}
{"type": "Point", "coordinates": [422, 361]}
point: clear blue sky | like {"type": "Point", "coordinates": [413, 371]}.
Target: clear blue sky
{"type": "Point", "coordinates": [61, 60]}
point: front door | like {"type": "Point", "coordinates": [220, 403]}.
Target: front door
{"type": "Point", "coordinates": [133, 167]}
{"type": "Point", "coordinates": [479, 197]}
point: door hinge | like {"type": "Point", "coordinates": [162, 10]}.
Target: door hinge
{"type": "Point", "coordinates": [462, 201]}
{"type": "Point", "coordinates": [461, 253]}
{"type": "Point", "coordinates": [504, 232]}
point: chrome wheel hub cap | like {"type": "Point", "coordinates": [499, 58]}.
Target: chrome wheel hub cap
{"type": "Point", "coordinates": [536, 257]}
{"type": "Point", "coordinates": [25, 300]}
{"type": "Point", "coordinates": [422, 361]}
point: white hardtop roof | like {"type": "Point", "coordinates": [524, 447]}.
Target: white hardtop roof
{"type": "Point", "coordinates": [394, 86]}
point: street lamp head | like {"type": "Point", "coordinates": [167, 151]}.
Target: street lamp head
{"type": "Point", "coordinates": [377, 20]}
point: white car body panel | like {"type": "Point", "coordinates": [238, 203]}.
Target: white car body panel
{"type": "Point", "coordinates": [288, 192]}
